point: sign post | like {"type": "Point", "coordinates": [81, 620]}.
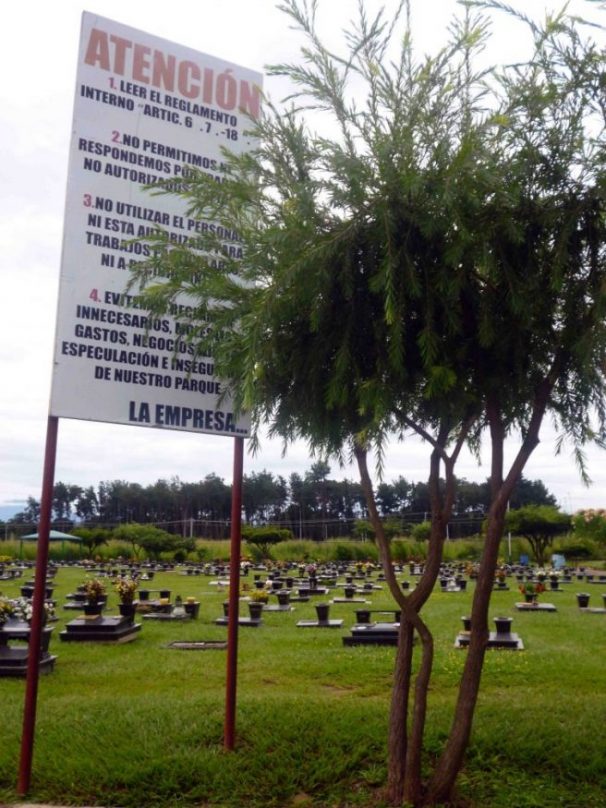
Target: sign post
{"type": "Point", "coordinates": [234, 597]}
{"type": "Point", "coordinates": [33, 656]}
{"type": "Point", "coordinates": [146, 110]}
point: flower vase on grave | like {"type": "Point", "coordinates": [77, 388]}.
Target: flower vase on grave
{"type": "Point", "coordinates": [322, 610]}
{"type": "Point", "coordinates": [350, 591]}
{"type": "Point", "coordinates": [178, 611]}
{"type": "Point", "coordinates": [503, 625]}
{"type": "Point", "coordinates": [128, 610]}
{"type": "Point", "coordinates": [283, 597]}
{"type": "Point", "coordinates": [466, 623]}
{"type": "Point", "coordinates": [255, 609]}
{"type": "Point", "coordinates": [93, 608]}
{"type": "Point", "coordinates": [582, 600]}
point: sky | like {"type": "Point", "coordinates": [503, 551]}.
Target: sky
{"type": "Point", "coordinates": [38, 52]}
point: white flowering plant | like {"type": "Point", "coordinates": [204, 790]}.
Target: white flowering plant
{"type": "Point", "coordinates": [24, 610]}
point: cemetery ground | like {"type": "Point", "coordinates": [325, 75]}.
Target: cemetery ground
{"type": "Point", "coordinates": [141, 724]}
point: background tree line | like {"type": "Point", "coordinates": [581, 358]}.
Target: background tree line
{"type": "Point", "coordinates": [312, 505]}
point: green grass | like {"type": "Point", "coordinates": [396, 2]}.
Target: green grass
{"type": "Point", "coordinates": [140, 724]}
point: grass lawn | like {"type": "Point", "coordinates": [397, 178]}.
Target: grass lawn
{"type": "Point", "coordinates": [142, 725]}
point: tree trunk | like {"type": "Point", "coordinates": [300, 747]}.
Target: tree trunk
{"type": "Point", "coordinates": [405, 751]}
{"type": "Point", "coordinates": [450, 762]}
{"type": "Point", "coordinates": [449, 765]}
{"type": "Point", "coordinates": [397, 741]}
{"type": "Point", "coordinates": [402, 764]}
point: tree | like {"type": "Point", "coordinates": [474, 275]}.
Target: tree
{"type": "Point", "coordinates": [151, 539]}
{"type": "Point", "coordinates": [453, 228]}
{"type": "Point", "coordinates": [265, 537]}
{"type": "Point", "coordinates": [64, 496]}
{"type": "Point", "coordinates": [530, 492]}
{"type": "Point", "coordinates": [87, 504]}
{"type": "Point", "coordinates": [30, 515]}
{"type": "Point", "coordinates": [539, 524]}
{"type": "Point", "coordinates": [590, 524]}
{"type": "Point", "coordinates": [92, 537]}
{"type": "Point", "coordinates": [263, 495]}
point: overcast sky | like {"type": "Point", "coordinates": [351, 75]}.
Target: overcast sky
{"type": "Point", "coordinates": [38, 50]}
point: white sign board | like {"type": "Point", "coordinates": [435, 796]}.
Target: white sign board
{"type": "Point", "coordinates": [144, 110]}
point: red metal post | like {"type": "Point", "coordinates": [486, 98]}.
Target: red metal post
{"type": "Point", "coordinates": [229, 735]}
{"type": "Point", "coordinates": [33, 657]}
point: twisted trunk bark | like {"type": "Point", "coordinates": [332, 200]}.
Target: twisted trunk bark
{"type": "Point", "coordinates": [448, 767]}
{"type": "Point", "coordinates": [405, 750]}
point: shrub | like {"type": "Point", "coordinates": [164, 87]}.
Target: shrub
{"type": "Point", "coordinates": [578, 549]}
{"type": "Point", "coordinates": [262, 538]}
{"type": "Point", "coordinates": [343, 552]}
{"type": "Point", "coordinates": [421, 531]}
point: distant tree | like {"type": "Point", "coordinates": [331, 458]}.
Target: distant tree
{"type": "Point", "coordinates": [530, 492]}
{"type": "Point", "coordinates": [64, 497]}
{"type": "Point", "coordinates": [87, 504]}
{"type": "Point", "coordinates": [152, 540]}
{"type": "Point", "coordinates": [263, 495]}
{"type": "Point", "coordinates": [421, 531]}
{"type": "Point", "coordinates": [92, 537]}
{"type": "Point", "coordinates": [590, 524]}
{"type": "Point", "coordinates": [263, 538]}
{"type": "Point", "coordinates": [539, 525]}
{"type": "Point", "coordinates": [30, 515]}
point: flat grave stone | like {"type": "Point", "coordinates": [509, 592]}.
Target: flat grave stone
{"type": "Point", "coordinates": [506, 642]}
{"type": "Point", "coordinates": [373, 634]}
{"type": "Point", "coordinates": [535, 607]}
{"type": "Point", "coordinates": [363, 616]}
{"type": "Point", "coordinates": [349, 600]}
{"type": "Point", "coordinates": [165, 616]}
{"type": "Point", "coordinates": [246, 622]}
{"type": "Point", "coordinates": [319, 623]}
{"type": "Point", "coordinates": [198, 645]}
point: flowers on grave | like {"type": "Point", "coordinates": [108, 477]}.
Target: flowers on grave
{"type": "Point", "coordinates": [501, 575]}
{"type": "Point", "coordinates": [24, 610]}
{"type": "Point", "coordinates": [126, 588]}
{"type": "Point", "coordinates": [259, 596]}
{"type": "Point", "coordinates": [7, 609]}
{"type": "Point", "coordinates": [94, 589]}
{"type": "Point", "coordinates": [554, 575]}
{"type": "Point", "coordinates": [531, 591]}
